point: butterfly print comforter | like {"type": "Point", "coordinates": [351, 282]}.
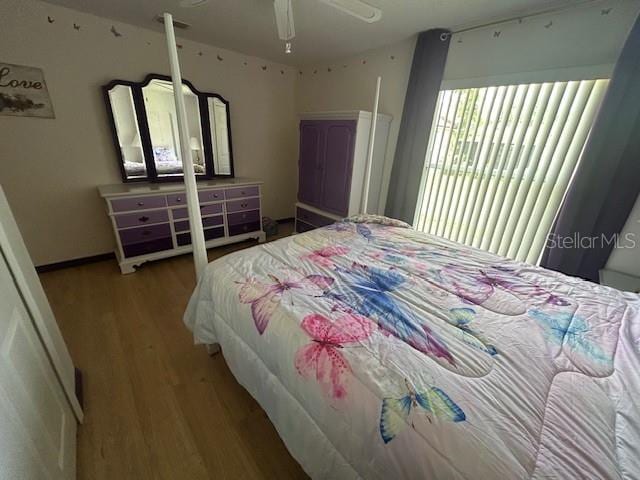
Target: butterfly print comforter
{"type": "Point", "coordinates": [380, 352]}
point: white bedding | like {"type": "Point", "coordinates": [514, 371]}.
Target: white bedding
{"type": "Point", "coordinates": [381, 352]}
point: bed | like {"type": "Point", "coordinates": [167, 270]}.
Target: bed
{"type": "Point", "coordinates": [381, 352]}
{"type": "Point", "coordinates": [166, 162]}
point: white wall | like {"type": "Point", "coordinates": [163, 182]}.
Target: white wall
{"type": "Point", "coordinates": [575, 42]}
{"type": "Point", "coordinates": [349, 84]}
{"type": "Point", "coordinates": [50, 168]}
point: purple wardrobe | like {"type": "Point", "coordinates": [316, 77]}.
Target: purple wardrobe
{"type": "Point", "coordinates": [326, 158]}
{"type": "Point", "coordinates": [331, 165]}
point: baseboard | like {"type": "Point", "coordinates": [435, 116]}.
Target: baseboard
{"type": "Point", "coordinates": [75, 262]}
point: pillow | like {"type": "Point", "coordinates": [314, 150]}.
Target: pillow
{"type": "Point", "coordinates": [164, 154]}
{"type": "Point", "coordinates": [379, 219]}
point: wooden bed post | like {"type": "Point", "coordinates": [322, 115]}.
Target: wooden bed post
{"type": "Point", "coordinates": [195, 219]}
{"type": "Point", "coordinates": [372, 138]}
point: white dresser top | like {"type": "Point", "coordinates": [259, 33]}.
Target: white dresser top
{"type": "Point", "coordinates": [143, 188]}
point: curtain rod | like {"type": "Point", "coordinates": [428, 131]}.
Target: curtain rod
{"type": "Point", "coordinates": [519, 18]}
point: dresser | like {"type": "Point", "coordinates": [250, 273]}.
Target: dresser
{"type": "Point", "coordinates": [331, 166]}
{"type": "Point", "coordinates": [151, 221]}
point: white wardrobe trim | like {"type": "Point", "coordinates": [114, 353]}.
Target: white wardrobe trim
{"type": "Point", "coordinates": [344, 115]}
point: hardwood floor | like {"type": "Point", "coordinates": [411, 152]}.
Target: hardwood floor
{"type": "Point", "coordinates": [156, 406]}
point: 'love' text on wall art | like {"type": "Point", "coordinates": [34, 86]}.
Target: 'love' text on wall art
{"type": "Point", "coordinates": [23, 92]}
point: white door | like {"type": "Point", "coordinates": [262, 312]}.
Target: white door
{"type": "Point", "coordinates": [37, 426]}
{"type": "Point", "coordinates": [21, 266]}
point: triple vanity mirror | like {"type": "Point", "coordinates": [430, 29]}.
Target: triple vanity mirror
{"type": "Point", "coordinates": [143, 117]}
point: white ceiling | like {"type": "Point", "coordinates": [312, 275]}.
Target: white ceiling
{"type": "Point", "coordinates": [322, 32]}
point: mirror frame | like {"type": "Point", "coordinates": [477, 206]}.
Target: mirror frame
{"type": "Point", "coordinates": [145, 136]}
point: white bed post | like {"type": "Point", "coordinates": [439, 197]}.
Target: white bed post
{"type": "Point", "coordinates": [372, 138]}
{"type": "Point", "coordinates": [195, 219]}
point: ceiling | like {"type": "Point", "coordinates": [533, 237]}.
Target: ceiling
{"type": "Point", "coordinates": [322, 32]}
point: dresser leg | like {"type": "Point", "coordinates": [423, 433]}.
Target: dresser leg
{"type": "Point", "coordinates": [262, 237]}
{"type": "Point", "coordinates": [127, 268]}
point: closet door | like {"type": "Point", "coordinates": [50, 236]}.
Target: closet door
{"type": "Point", "coordinates": [312, 135]}
{"type": "Point", "coordinates": [337, 166]}
{"type": "Point", "coordinates": [22, 269]}
{"type": "Point", "coordinates": [38, 433]}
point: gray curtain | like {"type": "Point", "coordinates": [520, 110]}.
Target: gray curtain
{"type": "Point", "coordinates": [607, 182]}
{"type": "Point", "coordinates": [427, 69]}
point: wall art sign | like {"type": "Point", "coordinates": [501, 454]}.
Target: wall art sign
{"type": "Point", "coordinates": [23, 92]}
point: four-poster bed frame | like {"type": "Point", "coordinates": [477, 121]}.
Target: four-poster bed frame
{"type": "Point", "coordinates": [195, 219]}
{"type": "Point", "coordinates": [379, 371]}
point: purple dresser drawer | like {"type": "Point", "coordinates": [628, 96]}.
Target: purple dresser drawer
{"type": "Point", "coordinates": [177, 199]}
{"type": "Point", "coordinates": [313, 218]}
{"type": "Point", "coordinates": [243, 228]}
{"type": "Point", "coordinates": [213, 221]}
{"type": "Point", "coordinates": [180, 213]}
{"type": "Point", "coordinates": [241, 192]}
{"type": "Point", "coordinates": [211, 209]}
{"type": "Point", "coordinates": [144, 234]}
{"type": "Point", "coordinates": [143, 248]}
{"type": "Point", "coordinates": [137, 203]}
{"type": "Point", "coordinates": [240, 205]}
{"type": "Point", "coordinates": [206, 196]}
{"type": "Point", "coordinates": [243, 217]}
{"type": "Point", "coordinates": [183, 239]}
{"type": "Point", "coordinates": [183, 225]}
{"type": "Point", "coordinates": [144, 218]}
{"type": "Point", "coordinates": [209, 234]}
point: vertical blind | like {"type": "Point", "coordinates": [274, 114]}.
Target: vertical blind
{"type": "Point", "coordinates": [500, 160]}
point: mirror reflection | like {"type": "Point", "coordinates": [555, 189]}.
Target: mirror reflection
{"type": "Point", "coordinates": [145, 129]}
{"type": "Point", "coordinates": [219, 136]}
{"type": "Point", "coordinates": [163, 128]}
{"type": "Point", "coordinates": [128, 134]}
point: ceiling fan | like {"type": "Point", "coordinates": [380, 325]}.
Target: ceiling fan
{"type": "Point", "coordinates": [356, 8]}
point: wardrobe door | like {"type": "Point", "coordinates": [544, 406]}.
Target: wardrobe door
{"type": "Point", "coordinates": [312, 134]}
{"type": "Point", "coordinates": [337, 166]}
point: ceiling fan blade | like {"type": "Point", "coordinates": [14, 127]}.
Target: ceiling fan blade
{"type": "Point", "coordinates": [357, 8]}
{"type": "Point", "coordinates": [284, 19]}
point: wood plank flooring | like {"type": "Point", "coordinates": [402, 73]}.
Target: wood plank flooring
{"type": "Point", "coordinates": [156, 406]}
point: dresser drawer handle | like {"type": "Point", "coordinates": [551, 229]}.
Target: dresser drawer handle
{"type": "Point", "coordinates": [140, 204]}
{"type": "Point", "coordinates": [244, 205]}
{"type": "Point", "coordinates": [242, 192]}
{"type": "Point", "coordinates": [245, 228]}
{"type": "Point", "coordinates": [178, 199]}
{"type": "Point", "coordinates": [143, 219]}
{"type": "Point", "coordinates": [215, 195]}
{"type": "Point", "coordinates": [244, 215]}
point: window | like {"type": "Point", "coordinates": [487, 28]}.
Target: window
{"type": "Point", "coordinates": [500, 160]}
